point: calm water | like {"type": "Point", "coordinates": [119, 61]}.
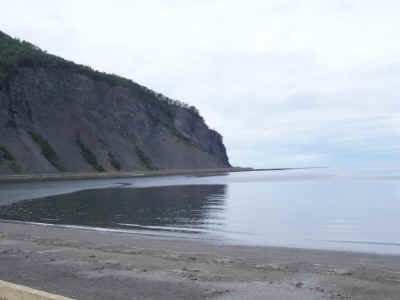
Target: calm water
{"type": "Point", "coordinates": [356, 210]}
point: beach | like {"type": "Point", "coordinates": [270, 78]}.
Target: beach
{"type": "Point", "coordinates": [88, 264]}
{"type": "Point", "coordinates": [223, 150]}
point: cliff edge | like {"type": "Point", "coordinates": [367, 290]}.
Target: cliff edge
{"type": "Point", "coordinates": [58, 116]}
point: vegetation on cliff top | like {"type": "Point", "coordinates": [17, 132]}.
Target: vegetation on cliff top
{"type": "Point", "coordinates": [15, 54]}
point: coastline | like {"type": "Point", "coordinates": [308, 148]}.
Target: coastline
{"type": "Point", "coordinates": [109, 175]}
{"type": "Point", "coordinates": [32, 177]}
{"type": "Point", "coordinates": [96, 265]}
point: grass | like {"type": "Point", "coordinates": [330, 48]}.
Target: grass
{"type": "Point", "coordinates": [47, 150]}
{"type": "Point", "coordinates": [114, 161]}
{"type": "Point", "coordinates": [89, 156]}
{"type": "Point", "coordinates": [144, 159]}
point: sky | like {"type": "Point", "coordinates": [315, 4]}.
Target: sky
{"type": "Point", "coordinates": [288, 83]}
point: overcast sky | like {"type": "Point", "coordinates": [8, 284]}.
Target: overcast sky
{"type": "Point", "coordinates": [286, 82]}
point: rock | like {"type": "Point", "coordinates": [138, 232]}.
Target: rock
{"type": "Point", "coordinates": [261, 267]}
{"type": "Point", "coordinates": [299, 284]}
{"type": "Point", "coordinates": [192, 277]}
{"type": "Point", "coordinates": [215, 292]}
{"type": "Point", "coordinates": [172, 257]}
{"type": "Point", "coordinates": [223, 260]}
{"type": "Point", "coordinates": [343, 272]}
{"type": "Point", "coordinates": [190, 270]}
{"type": "Point", "coordinates": [272, 266]}
{"type": "Point", "coordinates": [111, 262]}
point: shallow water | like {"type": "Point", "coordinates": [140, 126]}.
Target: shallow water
{"type": "Point", "coordinates": [357, 210]}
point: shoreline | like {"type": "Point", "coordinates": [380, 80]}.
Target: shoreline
{"type": "Point", "coordinates": [97, 265]}
{"type": "Point", "coordinates": [181, 236]}
{"type": "Point", "coordinates": [110, 175]}
{"type": "Point", "coordinates": [32, 177]}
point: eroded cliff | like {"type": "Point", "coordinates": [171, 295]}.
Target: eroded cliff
{"type": "Point", "coordinates": [57, 116]}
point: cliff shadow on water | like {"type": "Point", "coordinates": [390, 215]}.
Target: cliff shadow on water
{"type": "Point", "coordinates": [187, 206]}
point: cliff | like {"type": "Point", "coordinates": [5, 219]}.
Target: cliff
{"type": "Point", "coordinates": [58, 116]}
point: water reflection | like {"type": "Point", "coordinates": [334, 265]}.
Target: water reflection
{"type": "Point", "coordinates": [328, 209]}
{"type": "Point", "coordinates": [186, 206]}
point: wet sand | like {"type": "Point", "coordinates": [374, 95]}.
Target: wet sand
{"type": "Point", "coordinates": [96, 265]}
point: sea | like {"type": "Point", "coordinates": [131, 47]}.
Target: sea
{"type": "Point", "coordinates": [353, 209]}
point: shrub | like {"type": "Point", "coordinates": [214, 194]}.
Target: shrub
{"type": "Point", "coordinates": [47, 150]}
{"type": "Point", "coordinates": [183, 139]}
{"type": "Point", "coordinates": [4, 153]}
{"type": "Point", "coordinates": [114, 161]}
{"type": "Point", "coordinates": [144, 159]}
{"type": "Point", "coordinates": [89, 156]}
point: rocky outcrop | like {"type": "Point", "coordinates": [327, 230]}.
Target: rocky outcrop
{"type": "Point", "coordinates": [60, 119]}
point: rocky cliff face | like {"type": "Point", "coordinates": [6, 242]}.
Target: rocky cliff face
{"type": "Point", "coordinates": [57, 119]}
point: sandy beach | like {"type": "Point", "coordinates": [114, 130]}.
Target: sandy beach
{"type": "Point", "coordinates": [86, 264]}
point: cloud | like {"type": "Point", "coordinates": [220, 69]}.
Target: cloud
{"type": "Point", "coordinates": [288, 83]}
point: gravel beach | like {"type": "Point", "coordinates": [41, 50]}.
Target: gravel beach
{"type": "Point", "coordinates": [88, 264]}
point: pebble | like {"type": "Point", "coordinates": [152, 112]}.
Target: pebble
{"type": "Point", "coordinates": [223, 260]}
{"type": "Point", "coordinates": [274, 267]}
{"type": "Point", "coordinates": [260, 267]}
{"type": "Point", "coordinates": [299, 284]}
{"type": "Point", "coordinates": [342, 272]}
{"type": "Point", "coordinates": [215, 292]}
